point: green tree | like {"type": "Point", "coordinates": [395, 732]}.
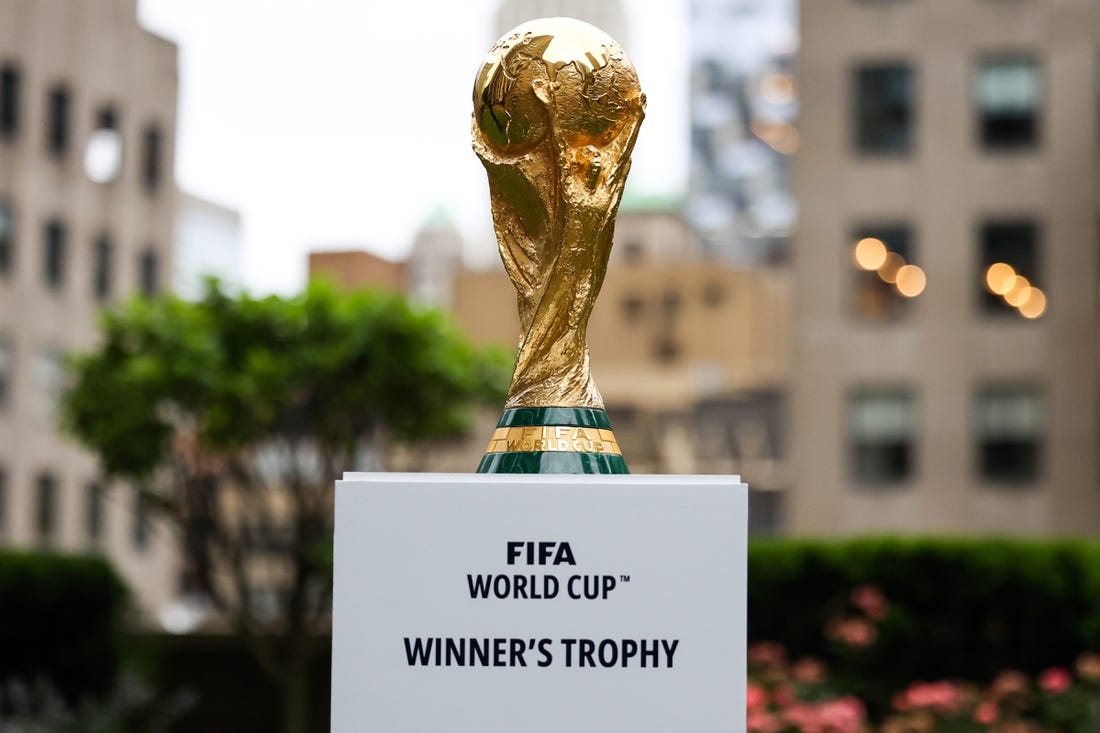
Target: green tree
{"type": "Point", "coordinates": [235, 416]}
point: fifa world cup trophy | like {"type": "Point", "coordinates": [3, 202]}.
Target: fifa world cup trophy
{"type": "Point", "coordinates": [557, 108]}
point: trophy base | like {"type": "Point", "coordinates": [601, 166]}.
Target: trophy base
{"type": "Point", "coordinates": [553, 440]}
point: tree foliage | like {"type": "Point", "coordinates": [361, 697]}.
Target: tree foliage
{"type": "Point", "coordinates": [236, 415]}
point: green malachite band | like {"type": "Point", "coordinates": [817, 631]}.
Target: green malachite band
{"type": "Point", "coordinates": [551, 462]}
{"type": "Point", "coordinates": [580, 417]}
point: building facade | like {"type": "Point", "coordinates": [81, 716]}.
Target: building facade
{"type": "Point", "coordinates": [87, 195]}
{"type": "Point", "coordinates": [743, 106]}
{"type": "Point", "coordinates": [944, 361]}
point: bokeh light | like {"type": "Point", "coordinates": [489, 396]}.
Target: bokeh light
{"type": "Point", "coordinates": [1000, 278]}
{"type": "Point", "coordinates": [911, 281]}
{"type": "Point", "coordinates": [888, 270]}
{"type": "Point", "coordinates": [1021, 291]}
{"type": "Point", "coordinates": [870, 253]}
{"type": "Point", "coordinates": [1035, 305]}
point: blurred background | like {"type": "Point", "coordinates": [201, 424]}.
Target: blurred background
{"type": "Point", "coordinates": [856, 263]}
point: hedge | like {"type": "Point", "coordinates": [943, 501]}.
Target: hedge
{"type": "Point", "coordinates": [959, 608]}
{"type": "Point", "coordinates": [60, 620]}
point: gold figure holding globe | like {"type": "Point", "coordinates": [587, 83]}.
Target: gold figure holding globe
{"type": "Point", "coordinates": [557, 107]}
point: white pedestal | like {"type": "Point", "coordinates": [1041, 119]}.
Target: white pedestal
{"type": "Point", "coordinates": [623, 604]}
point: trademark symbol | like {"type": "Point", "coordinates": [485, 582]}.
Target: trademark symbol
{"type": "Point", "coordinates": [624, 578]}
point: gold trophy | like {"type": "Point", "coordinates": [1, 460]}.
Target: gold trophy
{"type": "Point", "coordinates": [557, 108]}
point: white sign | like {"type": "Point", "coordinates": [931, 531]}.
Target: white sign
{"type": "Point", "coordinates": [539, 604]}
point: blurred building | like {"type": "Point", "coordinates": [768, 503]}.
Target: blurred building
{"type": "Point", "coordinates": [743, 106]}
{"type": "Point", "coordinates": [208, 244]}
{"type": "Point", "coordinates": [87, 195]}
{"type": "Point", "coordinates": [944, 370]}
{"type": "Point", "coordinates": [607, 15]}
{"type": "Point", "coordinates": [690, 355]}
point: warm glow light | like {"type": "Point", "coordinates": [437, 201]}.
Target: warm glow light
{"type": "Point", "coordinates": [777, 88]}
{"type": "Point", "coordinates": [870, 253]}
{"type": "Point", "coordinates": [888, 270]}
{"type": "Point", "coordinates": [1035, 305]}
{"type": "Point", "coordinates": [1000, 278]}
{"type": "Point", "coordinates": [1021, 291]}
{"type": "Point", "coordinates": [911, 281]}
{"type": "Point", "coordinates": [782, 137]}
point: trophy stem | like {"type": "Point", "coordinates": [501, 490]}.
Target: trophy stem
{"type": "Point", "coordinates": [553, 440]}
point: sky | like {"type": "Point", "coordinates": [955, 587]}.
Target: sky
{"type": "Point", "coordinates": [345, 123]}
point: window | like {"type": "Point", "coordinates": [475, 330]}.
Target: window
{"type": "Point", "coordinates": [1010, 430]}
{"type": "Point", "coordinates": [7, 238]}
{"type": "Point", "coordinates": [633, 305]}
{"type": "Point", "coordinates": [150, 158]}
{"type": "Point", "coordinates": [101, 275]}
{"type": "Point", "coordinates": [103, 154]}
{"type": "Point", "coordinates": [1009, 269]}
{"type": "Point", "coordinates": [57, 132]}
{"type": "Point", "coordinates": [147, 272]}
{"type": "Point", "coordinates": [9, 101]}
{"type": "Point", "coordinates": [7, 367]}
{"type": "Point", "coordinates": [1007, 91]}
{"type": "Point", "coordinates": [53, 255]}
{"type": "Point", "coordinates": [886, 280]}
{"type": "Point", "coordinates": [632, 252]}
{"type": "Point", "coordinates": [765, 512]}
{"type": "Point", "coordinates": [140, 535]}
{"type": "Point", "coordinates": [881, 428]}
{"type": "Point", "coordinates": [884, 109]}
{"type": "Point", "coordinates": [45, 507]}
{"type": "Point", "coordinates": [94, 517]}
{"type": "Point", "coordinates": [49, 377]}
{"type": "Point", "coordinates": [714, 294]}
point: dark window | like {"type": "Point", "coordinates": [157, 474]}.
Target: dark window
{"type": "Point", "coordinates": [148, 266]}
{"type": "Point", "coordinates": [884, 109]}
{"type": "Point", "coordinates": [7, 238]}
{"type": "Point", "coordinates": [140, 534]}
{"type": "Point", "coordinates": [7, 367]}
{"type": "Point", "coordinates": [881, 430]}
{"type": "Point", "coordinates": [57, 134]}
{"type": "Point", "coordinates": [632, 252]}
{"type": "Point", "coordinates": [45, 506]}
{"type": "Point", "coordinates": [150, 158]}
{"type": "Point", "coordinates": [104, 260]}
{"type": "Point", "coordinates": [1009, 269]}
{"type": "Point", "coordinates": [633, 305]}
{"type": "Point", "coordinates": [765, 512]}
{"type": "Point", "coordinates": [1007, 91]}
{"type": "Point", "coordinates": [1010, 431]}
{"type": "Point", "coordinates": [713, 294]}
{"type": "Point", "coordinates": [94, 517]}
{"type": "Point", "coordinates": [666, 349]}
{"type": "Point", "coordinates": [9, 101]}
{"type": "Point", "coordinates": [670, 303]}
{"type": "Point", "coordinates": [886, 278]}
{"type": "Point", "coordinates": [53, 255]}
{"type": "Point", "coordinates": [103, 153]}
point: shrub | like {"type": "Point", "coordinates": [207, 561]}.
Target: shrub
{"type": "Point", "coordinates": [959, 609]}
{"type": "Point", "coordinates": [60, 619]}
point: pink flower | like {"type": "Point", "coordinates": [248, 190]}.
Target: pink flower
{"type": "Point", "coordinates": [853, 632]}
{"type": "Point", "coordinates": [870, 600]}
{"type": "Point", "coordinates": [987, 713]}
{"type": "Point", "coordinates": [809, 671]}
{"type": "Point", "coordinates": [1088, 666]}
{"type": "Point", "coordinates": [944, 697]}
{"type": "Point", "coordinates": [767, 654]}
{"type": "Point", "coordinates": [1056, 680]}
{"type": "Point", "coordinates": [756, 697]}
{"type": "Point", "coordinates": [763, 722]}
{"type": "Point", "coordinates": [783, 696]}
{"type": "Point", "coordinates": [1010, 682]}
